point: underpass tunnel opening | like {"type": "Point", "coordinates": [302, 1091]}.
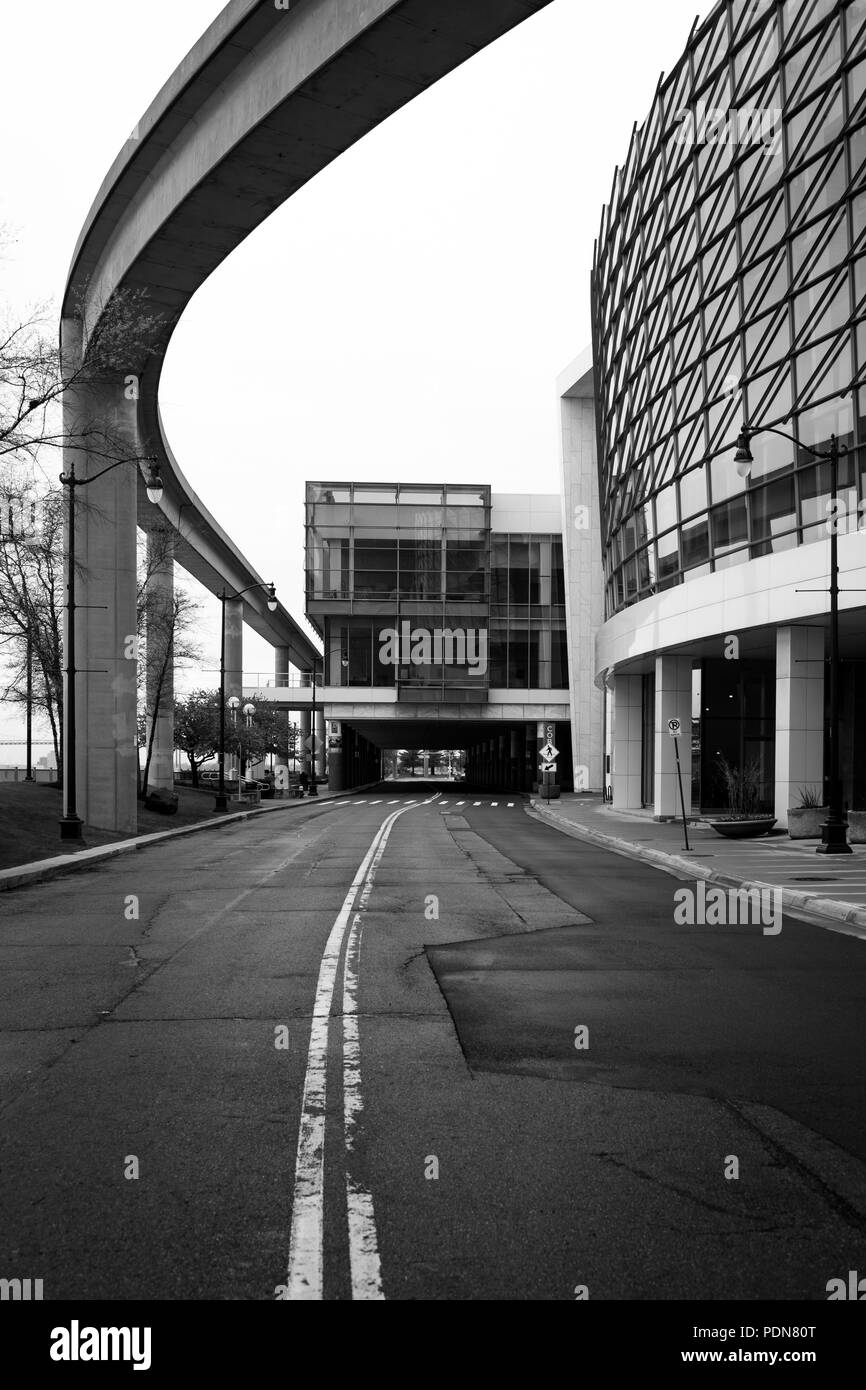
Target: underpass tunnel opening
{"type": "Point", "coordinates": [489, 756]}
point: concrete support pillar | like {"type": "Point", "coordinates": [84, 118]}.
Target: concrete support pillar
{"type": "Point", "coordinates": [530, 765]}
{"type": "Point", "coordinates": [234, 675]}
{"type": "Point", "coordinates": [234, 647]}
{"type": "Point", "coordinates": [627, 736]}
{"type": "Point", "coordinates": [160, 637]}
{"type": "Point", "coordinates": [514, 753]}
{"type": "Point", "coordinates": [306, 720]}
{"type": "Point", "coordinates": [281, 756]}
{"type": "Point", "coordinates": [336, 757]}
{"type": "Point", "coordinates": [281, 678]}
{"type": "Point", "coordinates": [584, 577]}
{"type": "Point", "coordinates": [105, 595]}
{"type": "Point", "coordinates": [281, 666]}
{"type": "Point", "coordinates": [539, 744]}
{"type": "Point", "coordinates": [799, 715]}
{"type": "Point", "coordinates": [673, 701]}
{"type": "Point", "coordinates": [320, 736]}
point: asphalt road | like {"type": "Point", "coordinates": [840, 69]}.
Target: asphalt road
{"type": "Point", "coordinates": [332, 1053]}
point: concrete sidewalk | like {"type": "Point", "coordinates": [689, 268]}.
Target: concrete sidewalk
{"type": "Point", "coordinates": [828, 890]}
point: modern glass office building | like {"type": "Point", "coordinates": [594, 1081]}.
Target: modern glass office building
{"type": "Point", "coordinates": [728, 286]}
{"type": "Point", "coordinates": [442, 615]}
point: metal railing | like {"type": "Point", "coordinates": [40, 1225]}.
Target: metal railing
{"type": "Point", "coordinates": [293, 681]}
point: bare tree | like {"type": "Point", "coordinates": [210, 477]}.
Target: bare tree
{"type": "Point", "coordinates": [166, 617]}
{"type": "Point", "coordinates": [31, 600]}
{"type": "Point", "coordinates": [34, 374]}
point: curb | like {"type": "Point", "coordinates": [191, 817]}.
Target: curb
{"type": "Point", "coordinates": [41, 870]}
{"type": "Point", "coordinates": [824, 912]}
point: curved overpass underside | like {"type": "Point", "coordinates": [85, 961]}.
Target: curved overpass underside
{"type": "Point", "coordinates": [264, 100]}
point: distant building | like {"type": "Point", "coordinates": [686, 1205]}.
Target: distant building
{"type": "Point", "coordinates": [442, 612]}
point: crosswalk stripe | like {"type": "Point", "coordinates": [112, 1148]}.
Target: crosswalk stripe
{"type": "Point", "coordinates": [392, 803]}
{"type": "Point", "coordinates": [461, 803]}
{"type": "Point", "coordinates": [494, 803]}
{"type": "Point", "coordinates": [511, 803]}
{"type": "Point", "coordinates": [476, 803]}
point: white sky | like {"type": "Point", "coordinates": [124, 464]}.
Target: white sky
{"type": "Point", "coordinates": [403, 317]}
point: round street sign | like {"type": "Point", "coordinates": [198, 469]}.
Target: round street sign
{"type": "Point", "coordinates": [674, 728]}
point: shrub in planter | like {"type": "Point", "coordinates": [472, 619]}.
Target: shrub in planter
{"type": "Point", "coordinates": [162, 801]}
{"type": "Point", "coordinates": [744, 817]}
{"type": "Point", "coordinates": [857, 827]}
{"type": "Point", "coordinates": [806, 818]}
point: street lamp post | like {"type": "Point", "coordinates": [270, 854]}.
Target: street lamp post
{"type": "Point", "coordinates": [834, 830]}
{"type": "Point", "coordinates": [221, 802]}
{"type": "Point", "coordinates": [314, 790]}
{"type": "Point", "coordinates": [71, 823]}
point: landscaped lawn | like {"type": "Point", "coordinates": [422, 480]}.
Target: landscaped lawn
{"type": "Point", "coordinates": [30, 812]}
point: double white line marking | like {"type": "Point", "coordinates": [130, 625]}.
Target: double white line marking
{"type": "Point", "coordinates": [306, 1274]}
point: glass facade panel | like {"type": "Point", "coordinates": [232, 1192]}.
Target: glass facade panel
{"type": "Point", "coordinates": [668, 556]}
{"type": "Point", "coordinates": [469, 497]}
{"type": "Point", "coordinates": [420, 497]}
{"type": "Point", "coordinates": [693, 493]}
{"type": "Point", "coordinates": [774, 350]}
{"type": "Point", "coordinates": [730, 526]}
{"type": "Point", "coordinates": [774, 516]}
{"type": "Point", "coordinates": [440, 611]}
{"type": "Point", "coordinates": [465, 569]}
{"type": "Point", "coordinates": [366, 493]}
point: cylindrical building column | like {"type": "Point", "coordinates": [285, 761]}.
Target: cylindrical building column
{"type": "Point", "coordinates": [673, 700]}
{"type": "Point", "coordinates": [626, 740]}
{"type": "Point", "coordinates": [799, 759]}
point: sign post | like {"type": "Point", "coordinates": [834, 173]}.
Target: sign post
{"type": "Point", "coordinates": [675, 730]}
{"type": "Point", "coordinates": [547, 756]}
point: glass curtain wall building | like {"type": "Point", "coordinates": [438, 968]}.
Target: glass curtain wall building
{"type": "Point", "coordinates": [728, 286]}
{"type": "Point", "coordinates": [419, 600]}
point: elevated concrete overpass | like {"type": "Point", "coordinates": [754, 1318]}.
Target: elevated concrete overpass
{"type": "Point", "coordinates": [265, 100]}
{"type": "Point", "coordinates": [500, 733]}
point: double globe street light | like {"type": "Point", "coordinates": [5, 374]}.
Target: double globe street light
{"type": "Point", "coordinates": [834, 830]}
{"type": "Point", "coordinates": [248, 711]}
{"type": "Point", "coordinates": [71, 823]}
